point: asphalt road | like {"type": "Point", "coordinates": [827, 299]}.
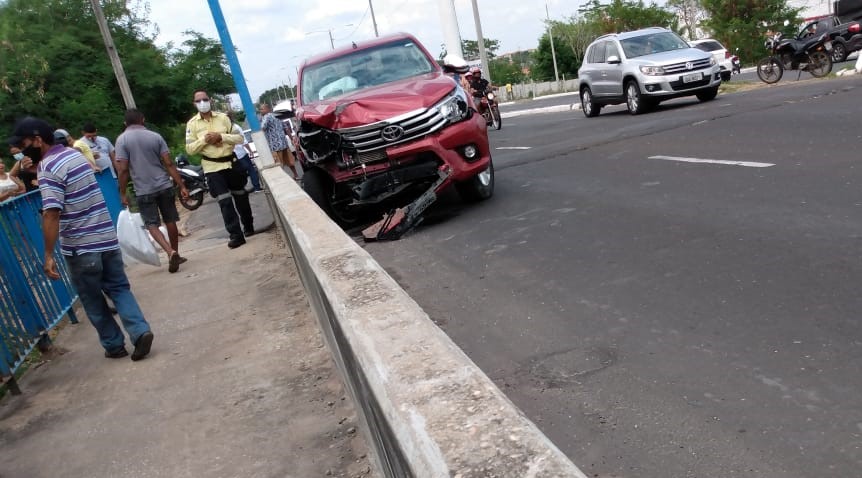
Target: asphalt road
{"type": "Point", "coordinates": [659, 318]}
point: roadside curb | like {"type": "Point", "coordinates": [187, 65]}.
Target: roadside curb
{"type": "Point", "coordinates": [547, 109]}
{"type": "Point", "coordinates": [425, 408]}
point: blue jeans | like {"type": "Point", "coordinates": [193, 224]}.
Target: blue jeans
{"type": "Point", "coordinates": [95, 272]}
{"type": "Point", "coordinates": [250, 168]}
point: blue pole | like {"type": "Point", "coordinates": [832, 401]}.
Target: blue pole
{"type": "Point", "coordinates": [233, 62]}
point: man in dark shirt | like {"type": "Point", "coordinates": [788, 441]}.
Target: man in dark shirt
{"type": "Point", "coordinates": [477, 83]}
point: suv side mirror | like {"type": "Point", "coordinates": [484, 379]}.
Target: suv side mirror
{"type": "Point", "coordinates": [614, 60]}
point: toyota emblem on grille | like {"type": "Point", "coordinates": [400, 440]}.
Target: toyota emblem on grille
{"type": "Point", "coordinates": [689, 65]}
{"type": "Point", "coordinates": [392, 133]}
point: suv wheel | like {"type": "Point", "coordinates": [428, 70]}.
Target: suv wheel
{"type": "Point", "coordinates": [839, 52]}
{"type": "Point", "coordinates": [634, 101]}
{"type": "Point", "coordinates": [479, 187]}
{"type": "Point", "coordinates": [590, 108]}
{"type": "Point", "coordinates": [708, 95]}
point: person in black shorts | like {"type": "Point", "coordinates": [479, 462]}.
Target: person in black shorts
{"type": "Point", "coordinates": [145, 155]}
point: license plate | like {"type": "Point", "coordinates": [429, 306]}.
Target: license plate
{"type": "Point", "coordinates": [692, 77]}
{"type": "Point", "coordinates": [828, 46]}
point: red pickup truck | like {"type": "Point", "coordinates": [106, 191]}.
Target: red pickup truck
{"type": "Point", "coordinates": [381, 125]}
{"type": "Point", "coordinates": [846, 36]}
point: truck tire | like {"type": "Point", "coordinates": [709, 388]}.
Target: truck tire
{"type": "Point", "coordinates": [839, 52]}
{"type": "Point", "coordinates": [479, 187]}
{"type": "Point", "coordinates": [318, 186]}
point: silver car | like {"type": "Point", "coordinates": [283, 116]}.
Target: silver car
{"type": "Point", "coordinates": [642, 68]}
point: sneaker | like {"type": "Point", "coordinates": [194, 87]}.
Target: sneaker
{"type": "Point", "coordinates": [119, 353]}
{"type": "Point", "coordinates": [142, 346]}
{"type": "Point", "coordinates": [174, 262]}
{"type": "Point", "coordinates": [234, 243]}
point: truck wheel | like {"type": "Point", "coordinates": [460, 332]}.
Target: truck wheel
{"type": "Point", "coordinates": [318, 186]}
{"type": "Point", "coordinates": [479, 187]}
{"type": "Point", "coordinates": [839, 52]}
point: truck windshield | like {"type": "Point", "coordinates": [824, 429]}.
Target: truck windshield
{"type": "Point", "coordinates": [363, 69]}
{"type": "Point", "coordinates": [652, 43]}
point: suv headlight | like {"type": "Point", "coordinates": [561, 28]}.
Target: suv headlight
{"type": "Point", "coordinates": [712, 61]}
{"type": "Point", "coordinates": [652, 70]}
{"type": "Point", "coordinates": [454, 107]}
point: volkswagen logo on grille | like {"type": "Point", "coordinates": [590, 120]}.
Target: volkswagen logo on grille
{"type": "Point", "coordinates": [392, 133]}
{"type": "Point", "coordinates": [689, 65]}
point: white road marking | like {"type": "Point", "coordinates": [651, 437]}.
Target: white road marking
{"type": "Point", "coordinates": [750, 164]}
{"type": "Point", "coordinates": [514, 147]}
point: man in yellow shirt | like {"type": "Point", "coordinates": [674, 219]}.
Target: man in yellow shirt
{"type": "Point", "coordinates": [210, 134]}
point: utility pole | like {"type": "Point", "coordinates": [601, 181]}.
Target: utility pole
{"type": "Point", "coordinates": [112, 54]}
{"type": "Point", "coordinates": [553, 52]}
{"type": "Point", "coordinates": [449, 20]}
{"type": "Point", "coordinates": [373, 18]}
{"type": "Point", "coordinates": [483, 56]}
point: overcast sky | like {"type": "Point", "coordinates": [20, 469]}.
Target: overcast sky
{"type": "Point", "coordinates": [274, 36]}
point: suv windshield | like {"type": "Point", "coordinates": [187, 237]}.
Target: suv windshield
{"type": "Point", "coordinates": [652, 43]}
{"type": "Point", "coordinates": [363, 69]}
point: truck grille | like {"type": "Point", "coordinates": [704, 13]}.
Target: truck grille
{"type": "Point", "coordinates": [397, 130]}
{"type": "Point", "coordinates": [681, 68]}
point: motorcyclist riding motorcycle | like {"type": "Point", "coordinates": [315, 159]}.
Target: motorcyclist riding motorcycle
{"type": "Point", "coordinates": [478, 85]}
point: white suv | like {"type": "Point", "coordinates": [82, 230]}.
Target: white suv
{"type": "Point", "coordinates": [642, 68]}
{"type": "Point", "coordinates": [717, 50]}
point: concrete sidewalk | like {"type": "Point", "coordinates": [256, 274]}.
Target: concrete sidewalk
{"type": "Point", "coordinates": [239, 382]}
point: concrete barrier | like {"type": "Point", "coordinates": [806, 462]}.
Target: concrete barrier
{"type": "Point", "coordinates": [426, 409]}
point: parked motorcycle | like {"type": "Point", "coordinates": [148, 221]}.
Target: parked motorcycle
{"type": "Point", "coordinates": [735, 65]}
{"type": "Point", "coordinates": [813, 54]}
{"type": "Point", "coordinates": [487, 104]}
{"type": "Point", "coordinates": [193, 177]}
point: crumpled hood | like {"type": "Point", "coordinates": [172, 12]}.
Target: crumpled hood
{"type": "Point", "coordinates": [378, 103]}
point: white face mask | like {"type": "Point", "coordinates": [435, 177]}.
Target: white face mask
{"type": "Point", "coordinates": [18, 156]}
{"type": "Point", "coordinates": [203, 106]}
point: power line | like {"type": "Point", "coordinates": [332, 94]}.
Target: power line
{"type": "Point", "coordinates": [357, 26]}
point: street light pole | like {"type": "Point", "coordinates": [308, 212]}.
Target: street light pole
{"type": "Point", "coordinates": [483, 56]}
{"type": "Point", "coordinates": [553, 52]}
{"type": "Point", "coordinates": [373, 18]}
{"type": "Point", "coordinates": [113, 55]}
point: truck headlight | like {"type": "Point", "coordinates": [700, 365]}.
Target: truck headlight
{"type": "Point", "coordinates": [454, 107]}
{"type": "Point", "coordinates": [652, 70]}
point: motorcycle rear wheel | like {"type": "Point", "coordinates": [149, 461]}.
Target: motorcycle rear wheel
{"type": "Point", "coordinates": [495, 118]}
{"type": "Point", "coordinates": [770, 70]}
{"type": "Point", "coordinates": [819, 64]}
{"type": "Point", "coordinates": [193, 202]}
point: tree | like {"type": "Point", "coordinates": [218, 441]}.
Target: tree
{"type": "Point", "coordinates": [505, 70]}
{"type": "Point", "coordinates": [470, 49]}
{"type": "Point", "coordinates": [626, 15]}
{"type": "Point", "coordinates": [53, 65]}
{"type": "Point", "coordinates": [742, 24]}
{"type": "Point", "coordinates": [543, 63]}
{"type": "Point", "coordinates": [690, 14]}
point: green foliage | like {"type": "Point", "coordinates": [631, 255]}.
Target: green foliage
{"type": "Point", "coordinates": [626, 15]}
{"type": "Point", "coordinates": [276, 95]}
{"type": "Point", "coordinates": [573, 36]}
{"type": "Point", "coordinates": [505, 70]}
{"type": "Point", "coordinates": [743, 24]}
{"type": "Point", "coordinates": [53, 65]}
{"type": "Point", "coordinates": [470, 49]}
{"type": "Point", "coordinates": [691, 16]}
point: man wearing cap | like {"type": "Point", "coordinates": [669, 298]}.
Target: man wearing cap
{"type": "Point", "coordinates": [75, 211]}
{"type": "Point", "coordinates": [211, 135]}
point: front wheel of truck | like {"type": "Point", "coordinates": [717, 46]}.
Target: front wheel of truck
{"type": "Point", "coordinates": [318, 185]}
{"type": "Point", "coordinates": [479, 187]}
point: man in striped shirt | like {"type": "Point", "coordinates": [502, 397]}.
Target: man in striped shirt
{"type": "Point", "coordinates": [75, 211]}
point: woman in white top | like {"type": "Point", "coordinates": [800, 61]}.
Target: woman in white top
{"type": "Point", "coordinates": [9, 185]}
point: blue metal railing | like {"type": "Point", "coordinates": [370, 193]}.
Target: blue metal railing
{"type": "Point", "coordinates": [30, 303]}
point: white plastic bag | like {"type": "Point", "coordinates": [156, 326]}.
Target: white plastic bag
{"type": "Point", "coordinates": [135, 240]}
